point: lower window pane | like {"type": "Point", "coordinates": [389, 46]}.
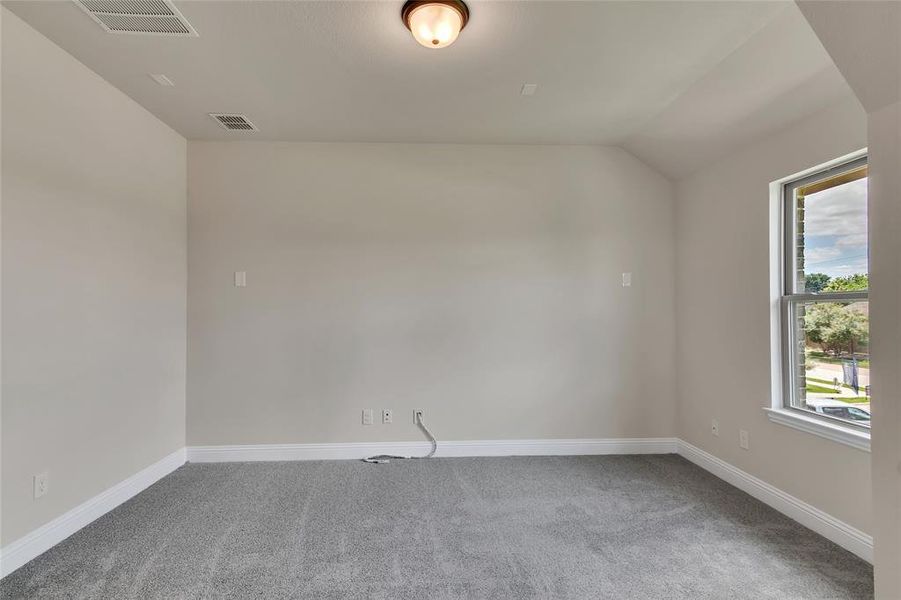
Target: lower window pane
{"type": "Point", "coordinates": [831, 370]}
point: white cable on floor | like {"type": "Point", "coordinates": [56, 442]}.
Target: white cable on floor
{"type": "Point", "coordinates": [382, 459]}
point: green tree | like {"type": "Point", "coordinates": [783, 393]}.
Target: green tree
{"type": "Point", "coordinates": [836, 328]}
{"type": "Point", "coordinates": [815, 282]}
{"type": "Point", "coordinates": [849, 332]}
{"type": "Point", "coordinates": [851, 283]}
{"type": "Point", "coordinates": [817, 320]}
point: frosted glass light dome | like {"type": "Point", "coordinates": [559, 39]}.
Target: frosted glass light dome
{"type": "Point", "coordinates": [435, 24]}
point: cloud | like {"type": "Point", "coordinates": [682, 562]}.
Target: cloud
{"type": "Point", "coordinates": [814, 255]}
{"type": "Point", "coordinates": [835, 229]}
{"type": "Point", "coordinates": [838, 211]}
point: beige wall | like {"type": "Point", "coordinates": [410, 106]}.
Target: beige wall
{"type": "Point", "coordinates": [723, 317]}
{"type": "Point", "coordinates": [480, 283]}
{"type": "Point", "coordinates": [93, 263]}
{"type": "Point", "coordinates": [885, 345]}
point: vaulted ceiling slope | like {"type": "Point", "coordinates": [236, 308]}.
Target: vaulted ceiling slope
{"type": "Point", "coordinates": [865, 42]}
{"type": "Point", "coordinates": [676, 83]}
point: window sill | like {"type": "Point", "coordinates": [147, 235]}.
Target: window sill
{"type": "Point", "coordinates": [820, 427]}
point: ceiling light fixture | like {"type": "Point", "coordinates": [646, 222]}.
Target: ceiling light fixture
{"type": "Point", "coordinates": [435, 23]}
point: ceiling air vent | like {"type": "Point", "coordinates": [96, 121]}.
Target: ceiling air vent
{"type": "Point", "coordinates": [147, 17]}
{"type": "Point", "coordinates": [234, 122]}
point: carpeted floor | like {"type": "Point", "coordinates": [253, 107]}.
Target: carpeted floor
{"type": "Point", "coordinates": [615, 527]}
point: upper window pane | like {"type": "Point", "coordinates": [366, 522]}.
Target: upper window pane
{"type": "Point", "coordinates": [831, 232]}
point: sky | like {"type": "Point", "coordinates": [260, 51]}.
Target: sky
{"type": "Point", "coordinates": [835, 225]}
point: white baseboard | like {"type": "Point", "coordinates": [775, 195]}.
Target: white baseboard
{"type": "Point", "coordinates": [826, 525]}
{"type": "Point", "coordinates": [276, 452]}
{"type": "Point", "coordinates": [45, 537]}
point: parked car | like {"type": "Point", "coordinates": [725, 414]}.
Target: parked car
{"type": "Point", "coordinates": [839, 409]}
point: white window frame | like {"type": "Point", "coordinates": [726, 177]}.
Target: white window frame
{"type": "Point", "coordinates": [782, 274]}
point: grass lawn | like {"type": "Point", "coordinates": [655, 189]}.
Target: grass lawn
{"type": "Point", "coordinates": [827, 382]}
{"type": "Point", "coordinates": [823, 357]}
{"type": "Point", "coordinates": [819, 389]}
{"type": "Point", "coordinates": [813, 388]}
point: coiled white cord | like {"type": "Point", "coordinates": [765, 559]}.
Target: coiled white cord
{"type": "Point", "coordinates": [383, 459]}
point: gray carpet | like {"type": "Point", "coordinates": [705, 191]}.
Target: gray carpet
{"type": "Point", "coordinates": [614, 527]}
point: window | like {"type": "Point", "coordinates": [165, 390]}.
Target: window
{"type": "Point", "coordinates": [825, 308]}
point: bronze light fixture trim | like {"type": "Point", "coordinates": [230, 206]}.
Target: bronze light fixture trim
{"type": "Point", "coordinates": [435, 23]}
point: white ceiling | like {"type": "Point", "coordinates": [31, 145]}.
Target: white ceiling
{"type": "Point", "coordinates": [673, 82]}
{"type": "Point", "coordinates": [865, 45]}
{"type": "Point", "coordinates": [780, 75]}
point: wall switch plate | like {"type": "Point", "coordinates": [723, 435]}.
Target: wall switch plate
{"type": "Point", "coordinates": [240, 278]}
{"type": "Point", "coordinates": [367, 416]}
{"type": "Point", "coordinates": [417, 415]}
{"type": "Point", "coordinates": [743, 439]}
{"type": "Point", "coordinates": [627, 279]}
{"type": "Point", "coordinates": [715, 427]}
{"type": "Point", "coordinates": [387, 416]}
{"type": "Point", "coordinates": [41, 484]}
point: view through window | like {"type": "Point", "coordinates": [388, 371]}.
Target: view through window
{"type": "Point", "coordinates": [826, 326]}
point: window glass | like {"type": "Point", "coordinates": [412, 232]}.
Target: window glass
{"type": "Point", "coordinates": [827, 324]}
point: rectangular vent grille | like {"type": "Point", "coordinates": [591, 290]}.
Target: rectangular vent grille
{"type": "Point", "coordinates": [234, 122]}
{"type": "Point", "coordinates": [147, 17]}
{"type": "Point", "coordinates": [154, 8]}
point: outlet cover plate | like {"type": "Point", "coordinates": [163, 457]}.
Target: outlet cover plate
{"type": "Point", "coordinates": [41, 484]}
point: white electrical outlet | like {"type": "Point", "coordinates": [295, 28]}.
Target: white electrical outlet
{"type": "Point", "coordinates": [417, 415]}
{"type": "Point", "coordinates": [41, 484]}
{"type": "Point", "coordinates": [240, 278]}
{"type": "Point", "coordinates": [367, 416]}
{"type": "Point", "coordinates": [387, 416]}
{"type": "Point", "coordinates": [715, 427]}
{"type": "Point", "coordinates": [627, 279]}
{"type": "Point", "coordinates": [743, 439]}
